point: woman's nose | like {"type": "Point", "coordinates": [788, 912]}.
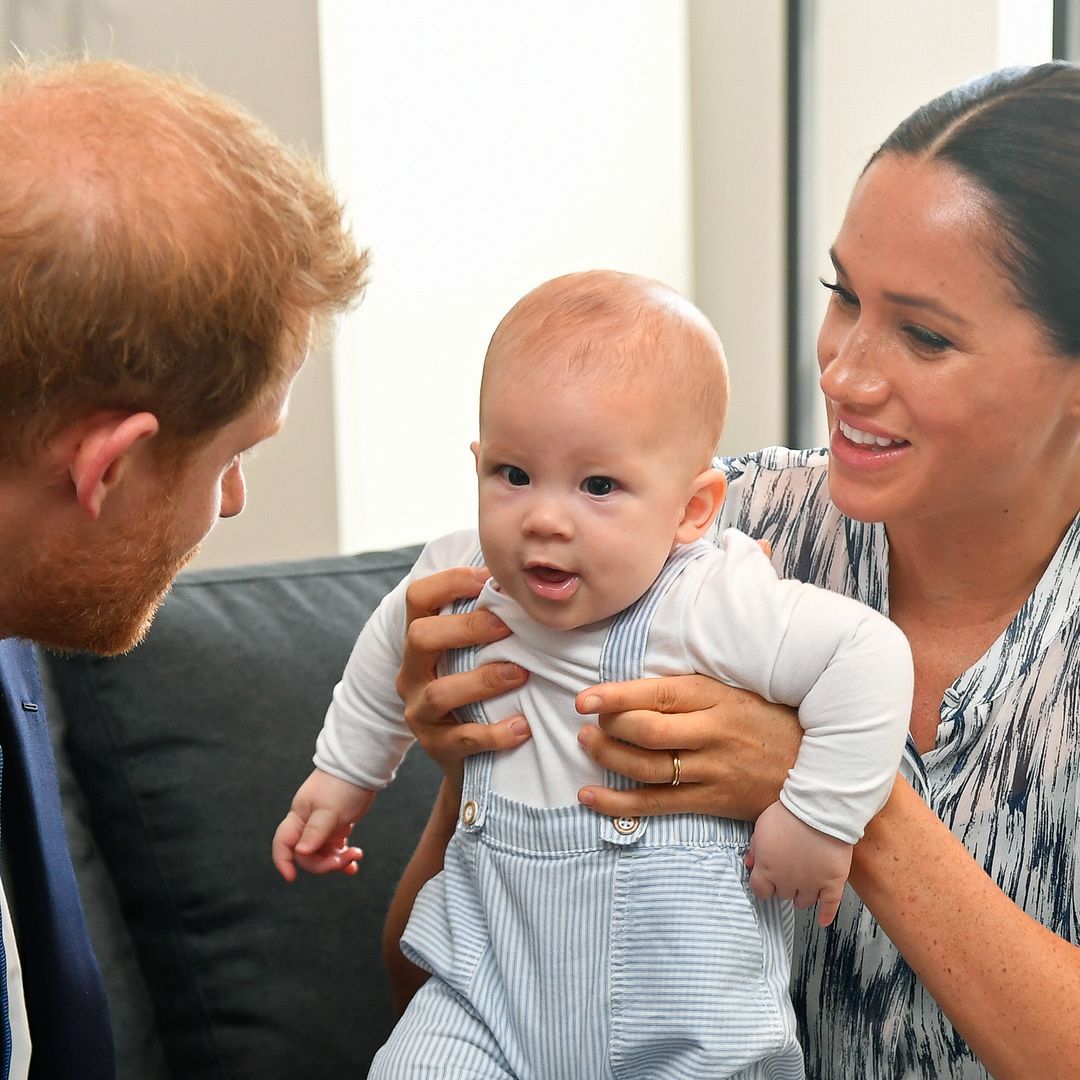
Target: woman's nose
{"type": "Point", "coordinates": [852, 369]}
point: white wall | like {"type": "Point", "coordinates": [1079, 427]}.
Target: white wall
{"type": "Point", "coordinates": [487, 144]}
{"type": "Point", "coordinates": [738, 71]}
{"type": "Point", "coordinates": [484, 147]}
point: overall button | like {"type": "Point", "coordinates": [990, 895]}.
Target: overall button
{"type": "Point", "coordinates": [626, 825]}
{"type": "Point", "coordinates": [469, 812]}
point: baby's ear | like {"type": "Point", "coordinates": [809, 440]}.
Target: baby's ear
{"type": "Point", "coordinates": [706, 496]}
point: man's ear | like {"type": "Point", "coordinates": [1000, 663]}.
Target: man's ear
{"type": "Point", "coordinates": [475, 448]}
{"type": "Point", "coordinates": [102, 449]}
{"type": "Point", "coordinates": [706, 496]}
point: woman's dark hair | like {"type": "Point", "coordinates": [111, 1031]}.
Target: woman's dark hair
{"type": "Point", "coordinates": [1016, 134]}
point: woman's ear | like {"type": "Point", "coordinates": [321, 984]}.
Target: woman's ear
{"type": "Point", "coordinates": [706, 496]}
{"type": "Point", "coordinates": [99, 454]}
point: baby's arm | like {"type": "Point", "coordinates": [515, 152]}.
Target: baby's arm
{"type": "Point", "coordinates": [314, 833]}
{"type": "Point", "coordinates": [846, 668]}
{"type": "Point", "coordinates": [364, 735]}
{"type": "Point", "coordinates": [361, 743]}
{"type": "Point", "coordinates": [793, 861]}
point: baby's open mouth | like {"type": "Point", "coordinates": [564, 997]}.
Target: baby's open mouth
{"type": "Point", "coordinates": [550, 582]}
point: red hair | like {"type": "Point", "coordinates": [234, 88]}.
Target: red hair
{"type": "Point", "coordinates": [160, 250]}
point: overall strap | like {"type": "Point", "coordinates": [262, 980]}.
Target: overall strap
{"type": "Point", "coordinates": [478, 766]}
{"type": "Point", "coordinates": [623, 658]}
{"type": "Point", "coordinates": [65, 998]}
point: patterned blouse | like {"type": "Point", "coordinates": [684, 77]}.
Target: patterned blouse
{"type": "Point", "coordinates": [1004, 776]}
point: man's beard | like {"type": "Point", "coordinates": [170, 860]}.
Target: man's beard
{"type": "Point", "coordinates": [101, 598]}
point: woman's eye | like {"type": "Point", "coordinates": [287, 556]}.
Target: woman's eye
{"type": "Point", "coordinates": [599, 485]}
{"type": "Point", "coordinates": [927, 339]}
{"type": "Point", "coordinates": [843, 296]}
{"type": "Point", "coordinates": [514, 476]}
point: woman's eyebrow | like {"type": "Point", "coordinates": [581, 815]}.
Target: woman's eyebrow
{"type": "Point", "coordinates": [923, 303]}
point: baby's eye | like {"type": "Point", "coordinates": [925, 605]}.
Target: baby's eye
{"type": "Point", "coordinates": [599, 485]}
{"type": "Point", "coordinates": [514, 476]}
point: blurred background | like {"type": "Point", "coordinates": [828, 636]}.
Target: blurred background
{"type": "Point", "coordinates": [486, 145]}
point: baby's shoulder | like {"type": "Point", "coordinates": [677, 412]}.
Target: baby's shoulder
{"type": "Point", "coordinates": [460, 548]}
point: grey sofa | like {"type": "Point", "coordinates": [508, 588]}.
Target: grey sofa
{"type": "Point", "coordinates": [177, 761]}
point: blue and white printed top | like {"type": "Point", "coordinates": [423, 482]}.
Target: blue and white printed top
{"type": "Point", "coordinates": [1004, 776]}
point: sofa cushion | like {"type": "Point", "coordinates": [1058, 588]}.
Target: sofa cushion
{"type": "Point", "coordinates": [187, 751]}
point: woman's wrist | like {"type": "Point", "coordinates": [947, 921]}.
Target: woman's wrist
{"type": "Point", "coordinates": [887, 842]}
{"type": "Point", "coordinates": [445, 811]}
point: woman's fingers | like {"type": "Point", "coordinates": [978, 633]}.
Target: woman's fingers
{"type": "Point", "coordinates": [429, 634]}
{"type": "Point", "coordinates": [429, 595]}
{"type": "Point", "coordinates": [734, 748]}
{"type": "Point", "coordinates": [427, 638]}
{"type": "Point", "coordinates": [647, 766]}
{"type": "Point", "coordinates": [430, 699]}
{"type": "Point", "coordinates": [462, 740]}
{"type": "Point", "coordinates": [679, 694]}
{"type": "Point", "coordinates": [431, 703]}
{"type": "Point", "coordinates": [650, 800]}
{"type": "Point", "coordinates": [658, 731]}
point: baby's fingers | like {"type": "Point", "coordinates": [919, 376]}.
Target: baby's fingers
{"type": "Point", "coordinates": [761, 885]}
{"type": "Point", "coordinates": [281, 848]}
{"type": "Point", "coordinates": [829, 904]}
{"type": "Point", "coordinates": [329, 860]}
{"type": "Point", "coordinates": [319, 830]}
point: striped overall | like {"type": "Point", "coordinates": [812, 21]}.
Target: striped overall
{"type": "Point", "coordinates": [569, 946]}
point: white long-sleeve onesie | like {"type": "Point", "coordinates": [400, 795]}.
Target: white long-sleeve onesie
{"type": "Point", "coordinates": [847, 669]}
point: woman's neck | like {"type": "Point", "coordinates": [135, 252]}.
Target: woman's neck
{"type": "Point", "coordinates": [968, 570]}
{"type": "Point", "coordinates": [953, 589]}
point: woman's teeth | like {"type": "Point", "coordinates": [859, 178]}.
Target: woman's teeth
{"type": "Point", "coordinates": [864, 438]}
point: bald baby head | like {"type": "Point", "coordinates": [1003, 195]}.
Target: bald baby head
{"type": "Point", "coordinates": [603, 328]}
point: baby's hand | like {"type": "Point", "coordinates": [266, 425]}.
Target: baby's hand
{"type": "Point", "coordinates": [789, 859]}
{"type": "Point", "coordinates": [315, 832]}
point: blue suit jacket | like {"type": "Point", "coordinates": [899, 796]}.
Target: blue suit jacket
{"type": "Point", "coordinates": [69, 1020]}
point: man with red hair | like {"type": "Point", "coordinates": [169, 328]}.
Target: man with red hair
{"type": "Point", "coordinates": [164, 262]}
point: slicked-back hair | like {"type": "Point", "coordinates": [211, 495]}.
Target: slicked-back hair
{"type": "Point", "coordinates": [160, 250]}
{"type": "Point", "coordinates": [1015, 134]}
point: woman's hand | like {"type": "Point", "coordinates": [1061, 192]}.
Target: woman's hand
{"type": "Point", "coordinates": [734, 748]}
{"type": "Point", "coordinates": [428, 699]}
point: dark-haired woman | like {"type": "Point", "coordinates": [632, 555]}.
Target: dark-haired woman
{"type": "Point", "coordinates": [948, 498]}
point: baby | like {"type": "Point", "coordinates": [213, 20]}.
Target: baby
{"type": "Point", "coordinates": [563, 943]}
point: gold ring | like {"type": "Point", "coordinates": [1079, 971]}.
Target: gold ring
{"type": "Point", "coordinates": [676, 769]}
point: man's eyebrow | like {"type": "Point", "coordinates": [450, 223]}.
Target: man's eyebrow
{"type": "Point", "coordinates": [922, 303]}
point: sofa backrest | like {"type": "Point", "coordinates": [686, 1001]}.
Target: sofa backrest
{"type": "Point", "coordinates": [187, 752]}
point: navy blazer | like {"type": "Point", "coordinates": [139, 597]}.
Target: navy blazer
{"type": "Point", "coordinates": [65, 998]}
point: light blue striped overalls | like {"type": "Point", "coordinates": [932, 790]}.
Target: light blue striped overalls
{"type": "Point", "coordinates": [570, 946]}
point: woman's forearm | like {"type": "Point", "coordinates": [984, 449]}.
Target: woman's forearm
{"type": "Point", "coordinates": [1008, 985]}
{"type": "Point", "coordinates": [427, 860]}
